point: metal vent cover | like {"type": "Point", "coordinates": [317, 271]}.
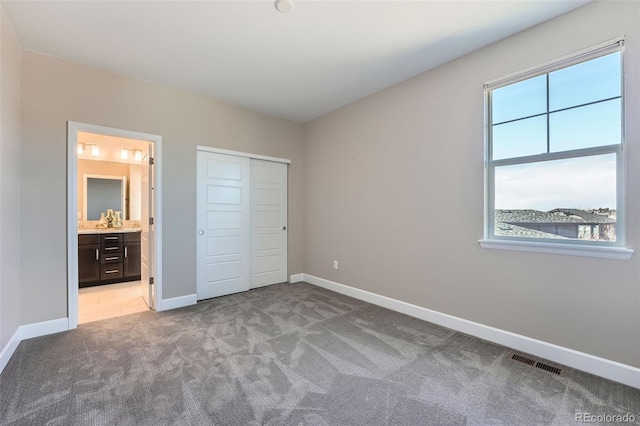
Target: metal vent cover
{"type": "Point", "coordinates": [533, 362]}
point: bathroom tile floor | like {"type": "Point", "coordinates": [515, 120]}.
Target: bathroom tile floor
{"type": "Point", "coordinates": [109, 301]}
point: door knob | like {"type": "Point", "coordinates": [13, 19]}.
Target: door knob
{"type": "Point", "coordinates": [201, 232]}
{"type": "Point", "coordinates": [284, 228]}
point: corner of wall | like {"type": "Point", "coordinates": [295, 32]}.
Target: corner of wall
{"type": "Point", "coordinates": [10, 112]}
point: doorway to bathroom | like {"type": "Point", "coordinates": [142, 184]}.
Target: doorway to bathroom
{"type": "Point", "coordinates": [114, 222]}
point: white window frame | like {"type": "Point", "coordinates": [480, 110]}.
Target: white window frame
{"type": "Point", "coordinates": [608, 250]}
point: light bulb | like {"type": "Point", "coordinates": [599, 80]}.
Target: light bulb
{"type": "Point", "coordinates": [95, 150]}
{"type": "Point", "coordinates": [124, 153]}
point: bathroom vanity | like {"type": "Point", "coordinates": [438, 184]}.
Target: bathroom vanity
{"type": "Point", "coordinates": [108, 256]}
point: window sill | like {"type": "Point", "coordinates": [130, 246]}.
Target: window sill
{"type": "Point", "coordinates": [615, 253]}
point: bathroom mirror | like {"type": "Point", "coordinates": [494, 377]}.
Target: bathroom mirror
{"type": "Point", "coordinates": [102, 193]}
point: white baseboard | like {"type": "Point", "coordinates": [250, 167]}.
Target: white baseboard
{"type": "Point", "coordinates": [602, 367]}
{"type": "Point", "coordinates": [29, 331]}
{"type": "Point", "coordinates": [9, 349]}
{"type": "Point", "coordinates": [43, 328]}
{"type": "Point", "coordinates": [177, 302]}
{"type": "Point", "coordinates": [296, 278]}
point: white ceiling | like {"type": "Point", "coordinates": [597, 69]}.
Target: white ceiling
{"type": "Point", "coordinates": [299, 65]}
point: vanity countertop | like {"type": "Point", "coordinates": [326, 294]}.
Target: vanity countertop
{"type": "Point", "coordinates": [108, 230]}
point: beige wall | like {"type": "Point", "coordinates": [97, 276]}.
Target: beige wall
{"type": "Point", "coordinates": [55, 91]}
{"type": "Point", "coordinates": [9, 183]}
{"type": "Point", "coordinates": [402, 206]}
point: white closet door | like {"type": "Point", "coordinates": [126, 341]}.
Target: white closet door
{"type": "Point", "coordinates": [268, 223]}
{"type": "Point", "coordinates": [223, 217]}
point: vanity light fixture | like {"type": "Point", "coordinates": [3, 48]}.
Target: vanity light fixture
{"type": "Point", "coordinates": [80, 148]}
{"type": "Point", "coordinates": [125, 153]}
{"type": "Point", "coordinates": [95, 150]}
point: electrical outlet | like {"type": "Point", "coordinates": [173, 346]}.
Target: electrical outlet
{"type": "Point", "coordinates": [335, 264]}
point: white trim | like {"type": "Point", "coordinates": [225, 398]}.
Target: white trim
{"type": "Point", "coordinates": [177, 302]}
{"type": "Point", "coordinates": [72, 202]}
{"type": "Point", "coordinates": [561, 62]}
{"type": "Point", "coordinates": [611, 370]}
{"type": "Point", "coordinates": [242, 154]}
{"type": "Point", "coordinates": [9, 349]}
{"type": "Point", "coordinates": [561, 155]}
{"type": "Point", "coordinates": [72, 224]}
{"type": "Point", "coordinates": [29, 331]}
{"type": "Point", "coordinates": [43, 328]}
{"type": "Point", "coordinates": [613, 253]}
{"type": "Point", "coordinates": [296, 278]}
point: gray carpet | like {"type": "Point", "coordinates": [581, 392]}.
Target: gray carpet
{"type": "Point", "coordinates": [289, 354]}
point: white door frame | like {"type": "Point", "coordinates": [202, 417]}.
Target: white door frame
{"type": "Point", "coordinates": [72, 206]}
{"type": "Point", "coordinates": [242, 154]}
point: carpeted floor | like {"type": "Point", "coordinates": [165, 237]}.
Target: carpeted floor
{"type": "Point", "coordinates": [288, 354]}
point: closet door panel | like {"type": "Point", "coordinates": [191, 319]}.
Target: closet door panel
{"type": "Point", "coordinates": [268, 223]}
{"type": "Point", "coordinates": [223, 217]}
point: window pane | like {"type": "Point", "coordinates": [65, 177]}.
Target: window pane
{"type": "Point", "coordinates": [572, 198]}
{"type": "Point", "coordinates": [585, 127]}
{"type": "Point", "coordinates": [589, 81]}
{"type": "Point", "coordinates": [520, 138]}
{"type": "Point", "coordinates": [522, 99]}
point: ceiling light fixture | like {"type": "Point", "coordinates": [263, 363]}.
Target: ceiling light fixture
{"type": "Point", "coordinates": [284, 6]}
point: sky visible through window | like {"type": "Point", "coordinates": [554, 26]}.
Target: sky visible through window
{"type": "Point", "coordinates": [584, 111]}
{"type": "Point", "coordinates": [581, 183]}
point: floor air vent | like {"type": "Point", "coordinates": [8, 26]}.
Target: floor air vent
{"type": "Point", "coordinates": [525, 359]}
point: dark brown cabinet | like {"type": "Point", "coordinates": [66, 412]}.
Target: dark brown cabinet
{"type": "Point", "coordinates": [107, 258]}
{"type": "Point", "coordinates": [132, 253]}
{"type": "Point", "coordinates": [88, 259]}
{"type": "Point", "coordinates": [111, 257]}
